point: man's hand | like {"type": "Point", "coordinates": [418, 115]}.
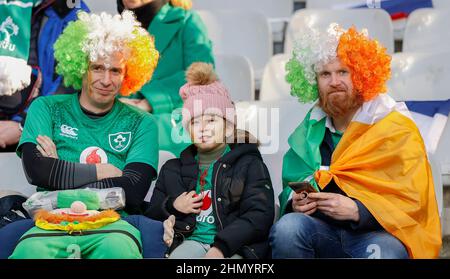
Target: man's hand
{"type": "Point", "coordinates": [188, 203]}
{"type": "Point", "coordinates": [304, 205]}
{"type": "Point", "coordinates": [46, 147]}
{"type": "Point", "coordinates": [9, 133]}
{"type": "Point", "coordinates": [107, 171]}
{"type": "Point", "coordinates": [336, 206]}
{"type": "Point", "coordinates": [214, 253]}
{"type": "Point", "coordinates": [142, 104]}
{"type": "Point", "coordinates": [169, 232]}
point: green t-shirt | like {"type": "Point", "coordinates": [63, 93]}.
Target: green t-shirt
{"type": "Point", "coordinates": [15, 27]}
{"type": "Point", "coordinates": [205, 229]}
{"type": "Point", "coordinates": [125, 135]}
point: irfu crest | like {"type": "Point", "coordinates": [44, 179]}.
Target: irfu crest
{"type": "Point", "coordinates": [119, 141]}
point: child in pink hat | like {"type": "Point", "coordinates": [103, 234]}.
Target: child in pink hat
{"type": "Point", "coordinates": [219, 190]}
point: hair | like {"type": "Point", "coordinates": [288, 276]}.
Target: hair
{"type": "Point", "coordinates": [184, 4]}
{"type": "Point", "coordinates": [95, 36]}
{"type": "Point", "coordinates": [200, 73]}
{"type": "Point", "coordinates": [368, 61]}
{"type": "Point", "coordinates": [243, 136]}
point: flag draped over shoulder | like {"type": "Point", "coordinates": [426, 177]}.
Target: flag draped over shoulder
{"type": "Point", "coordinates": [381, 161]}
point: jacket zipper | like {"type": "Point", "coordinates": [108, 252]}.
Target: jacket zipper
{"type": "Point", "coordinates": [215, 199]}
{"type": "Point", "coordinates": [251, 251]}
{"type": "Point", "coordinates": [81, 233]}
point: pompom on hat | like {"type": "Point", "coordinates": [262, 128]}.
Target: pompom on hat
{"type": "Point", "coordinates": [366, 58]}
{"type": "Point", "coordinates": [93, 36]}
{"type": "Point", "coordinates": [205, 94]}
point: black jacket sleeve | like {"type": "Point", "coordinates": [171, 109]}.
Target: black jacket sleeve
{"type": "Point", "coordinates": [366, 220]}
{"type": "Point", "coordinates": [54, 174]}
{"type": "Point", "coordinates": [161, 203]}
{"type": "Point", "coordinates": [256, 212]}
{"type": "Point", "coordinates": [135, 181]}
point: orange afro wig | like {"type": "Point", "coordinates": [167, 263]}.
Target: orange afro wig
{"type": "Point", "coordinates": [368, 61]}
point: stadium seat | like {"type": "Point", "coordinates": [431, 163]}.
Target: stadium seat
{"type": "Point", "coordinates": [424, 77]}
{"type": "Point", "coordinates": [437, 179]}
{"type": "Point", "coordinates": [441, 4]}
{"type": "Point", "coordinates": [273, 84]}
{"type": "Point", "coordinates": [277, 12]}
{"type": "Point", "coordinates": [164, 156]}
{"type": "Point", "coordinates": [335, 4]}
{"type": "Point", "coordinates": [420, 76]}
{"type": "Point", "coordinates": [236, 73]}
{"type": "Point", "coordinates": [377, 21]}
{"type": "Point", "coordinates": [427, 31]}
{"type": "Point", "coordinates": [98, 6]}
{"type": "Point", "coordinates": [272, 123]}
{"type": "Point", "coordinates": [12, 175]}
{"type": "Point", "coordinates": [243, 33]}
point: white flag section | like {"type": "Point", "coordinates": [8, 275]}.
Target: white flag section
{"type": "Point", "coordinates": [431, 118]}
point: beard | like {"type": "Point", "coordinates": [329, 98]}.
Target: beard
{"type": "Point", "coordinates": [338, 105]}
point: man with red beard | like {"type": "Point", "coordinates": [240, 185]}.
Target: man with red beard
{"type": "Point", "coordinates": [356, 180]}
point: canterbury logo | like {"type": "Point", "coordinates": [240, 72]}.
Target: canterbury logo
{"type": "Point", "coordinates": [69, 131]}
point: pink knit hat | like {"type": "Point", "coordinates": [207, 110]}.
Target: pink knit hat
{"type": "Point", "coordinates": [204, 94]}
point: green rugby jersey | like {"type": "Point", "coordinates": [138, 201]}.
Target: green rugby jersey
{"type": "Point", "coordinates": [125, 135]}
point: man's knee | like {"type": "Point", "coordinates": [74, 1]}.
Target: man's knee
{"type": "Point", "coordinates": [385, 246]}
{"type": "Point", "coordinates": [116, 246]}
{"type": "Point", "coordinates": [292, 225]}
{"type": "Point", "coordinates": [34, 249]}
{"type": "Point", "coordinates": [143, 223]}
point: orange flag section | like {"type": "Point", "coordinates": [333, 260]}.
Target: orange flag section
{"type": "Point", "coordinates": [385, 166]}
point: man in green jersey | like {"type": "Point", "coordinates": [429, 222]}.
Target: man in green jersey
{"type": "Point", "coordinates": [91, 139]}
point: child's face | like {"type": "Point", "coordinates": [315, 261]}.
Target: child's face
{"type": "Point", "coordinates": [209, 131]}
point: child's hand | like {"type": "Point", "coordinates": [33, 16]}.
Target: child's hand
{"type": "Point", "coordinates": [168, 230]}
{"type": "Point", "coordinates": [188, 203]}
{"type": "Point", "coordinates": [46, 147]}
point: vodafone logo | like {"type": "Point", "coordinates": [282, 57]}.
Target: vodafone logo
{"type": "Point", "coordinates": [206, 209]}
{"type": "Point", "coordinates": [93, 155]}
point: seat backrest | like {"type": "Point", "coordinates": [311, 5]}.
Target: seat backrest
{"type": "Point", "coordinates": [427, 31]}
{"type": "Point", "coordinates": [164, 156]}
{"type": "Point", "coordinates": [236, 73]}
{"type": "Point", "coordinates": [243, 33]}
{"type": "Point", "coordinates": [424, 77]}
{"type": "Point", "coordinates": [270, 8]}
{"type": "Point", "coordinates": [420, 76]}
{"type": "Point", "coordinates": [273, 84]}
{"type": "Point", "coordinates": [12, 174]}
{"type": "Point", "coordinates": [336, 4]}
{"type": "Point", "coordinates": [98, 6]}
{"type": "Point", "coordinates": [377, 21]}
{"type": "Point", "coordinates": [272, 122]}
{"type": "Point", "coordinates": [437, 179]}
{"type": "Point", "coordinates": [441, 4]}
